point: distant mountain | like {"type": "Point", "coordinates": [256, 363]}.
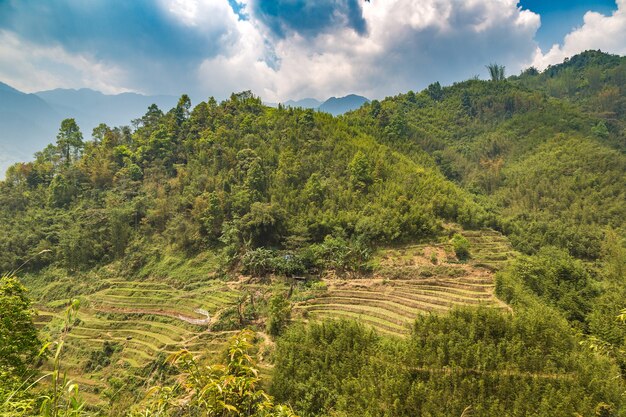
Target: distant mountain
{"type": "Point", "coordinates": [90, 108]}
{"type": "Point", "coordinates": [7, 88]}
{"type": "Point", "coordinates": [28, 122]}
{"type": "Point", "coordinates": [26, 125]}
{"type": "Point", "coordinates": [333, 105]}
{"type": "Point", "coordinates": [336, 106]}
{"type": "Point", "coordinates": [305, 103]}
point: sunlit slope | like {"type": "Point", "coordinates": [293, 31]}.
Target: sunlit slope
{"type": "Point", "coordinates": [415, 279]}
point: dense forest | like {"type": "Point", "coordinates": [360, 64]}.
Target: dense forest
{"type": "Point", "coordinates": [182, 265]}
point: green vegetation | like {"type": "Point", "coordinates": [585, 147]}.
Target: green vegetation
{"type": "Point", "coordinates": [461, 246]}
{"type": "Point", "coordinates": [229, 390]}
{"type": "Point", "coordinates": [456, 251]}
{"type": "Point", "coordinates": [493, 363]}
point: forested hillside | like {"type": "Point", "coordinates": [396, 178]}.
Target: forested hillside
{"type": "Point", "coordinates": [471, 239]}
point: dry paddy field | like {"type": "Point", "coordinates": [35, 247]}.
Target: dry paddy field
{"type": "Point", "coordinates": [416, 279]}
{"type": "Point", "coordinates": [148, 319]}
{"type": "Point", "coordinates": [142, 320]}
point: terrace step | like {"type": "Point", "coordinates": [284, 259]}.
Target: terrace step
{"type": "Point", "coordinates": [386, 327]}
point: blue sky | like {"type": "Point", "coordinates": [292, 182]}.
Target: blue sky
{"type": "Point", "coordinates": [559, 17]}
{"type": "Point", "coordinates": [290, 49]}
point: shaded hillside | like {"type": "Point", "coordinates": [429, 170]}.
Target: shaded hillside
{"type": "Point", "coordinates": [341, 105]}
{"type": "Point", "coordinates": [305, 103]}
{"type": "Point", "coordinates": [90, 108]}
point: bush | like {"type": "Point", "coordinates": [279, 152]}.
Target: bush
{"type": "Point", "coordinates": [461, 246]}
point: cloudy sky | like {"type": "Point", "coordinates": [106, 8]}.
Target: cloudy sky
{"type": "Point", "coordinates": [290, 49]}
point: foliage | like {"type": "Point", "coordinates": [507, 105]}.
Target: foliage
{"type": "Point", "coordinates": [101, 358]}
{"type": "Point", "coordinates": [559, 280]}
{"type": "Point", "coordinates": [525, 364]}
{"type": "Point", "coordinates": [19, 341]}
{"type": "Point", "coordinates": [214, 390]}
{"type": "Point", "coordinates": [63, 398]}
{"type": "Point", "coordinates": [231, 177]}
{"type": "Point", "coordinates": [496, 72]}
{"type": "Point", "coordinates": [60, 398]}
{"type": "Point", "coordinates": [461, 246]}
{"type": "Point", "coordinates": [279, 314]}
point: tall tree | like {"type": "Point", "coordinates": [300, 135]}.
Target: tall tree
{"type": "Point", "coordinates": [69, 140]}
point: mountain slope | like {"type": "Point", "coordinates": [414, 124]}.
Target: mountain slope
{"type": "Point", "coordinates": [90, 108]}
{"type": "Point", "coordinates": [26, 125]}
{"type": "Point", "coordinates": [500, 140]}
{"type": "Point", "coordinates": [305, 103]}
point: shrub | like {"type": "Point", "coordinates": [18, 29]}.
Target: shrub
{"type": "Point", "coordinates": [461, 246]}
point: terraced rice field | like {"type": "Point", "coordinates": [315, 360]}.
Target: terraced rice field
{"type": "Point", "coordinates": [490, 248]}
{"type": "Point", "coordinates": [143, 320]}
{"type": "Point", "coordinates": [146, 319]}
{"type": "Point", "coordinates": [416, 280]}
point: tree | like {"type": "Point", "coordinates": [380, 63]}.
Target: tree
{"type": "Point", "coordinates": [151, 118]}
{"type": "Point", "coordinates": [496, 72]}
{"type": "Point", "coordinates": [99, 132]}
{"type": "Point", "coordinates": [360, 172]}
{"type": "Point", "coordinates": [19, 343]}
{"type": "Point", "coordinates": [435, 91]}
{"type": "Point", "coordinates": [69, 140]}
{"type": "Point", "coordinates": [461, 246]}
{"type": "Point", "coordinates": [182, 109]}
{"type": "Point", "coordinates": [279, 314]}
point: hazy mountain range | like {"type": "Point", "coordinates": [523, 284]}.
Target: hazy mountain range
{"type": "Point", "coordinates": [334, 105]}
{"type": "Point", "coordinates": [28, 122]}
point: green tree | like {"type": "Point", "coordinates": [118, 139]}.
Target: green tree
{"type": "Point", "coordinates": [279, 314]}
{"type": "Point", "coordinates": [461, 246]}
{"type": "Point", "coordinates": [69, 140]}
{"type": "Point", "coordinates": [435, 91]}
{"type": "Point", "coordinates": [19, 342]}
{"type": "Point", "coordinates": [100, 132]}
{"type": "Point", "coordinates": [182, 109]}
{"type": "Point", "coordinates": [360, 172]}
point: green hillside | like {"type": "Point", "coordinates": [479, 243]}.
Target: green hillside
{"type": "Point", "coordinates": [456, 251]}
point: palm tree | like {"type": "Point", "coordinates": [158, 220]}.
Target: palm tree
{"type": "Point", "coordinates": [496, 72]}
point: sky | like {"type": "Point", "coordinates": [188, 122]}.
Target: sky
{"type": "Point", "coordinates": [291, 49]}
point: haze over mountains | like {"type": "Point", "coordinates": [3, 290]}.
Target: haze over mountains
{"type": "Point", "coordinates": [28, 122]}
{"type": "Point", "coordinates": [334, 105]}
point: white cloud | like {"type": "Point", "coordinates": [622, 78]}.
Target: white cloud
{"type": "Point", "coordinates": [607, 33]}
{"type": "Point", "coordinates": [30, 67]}
{"type": "Point", "coordinates": [408, 45]}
